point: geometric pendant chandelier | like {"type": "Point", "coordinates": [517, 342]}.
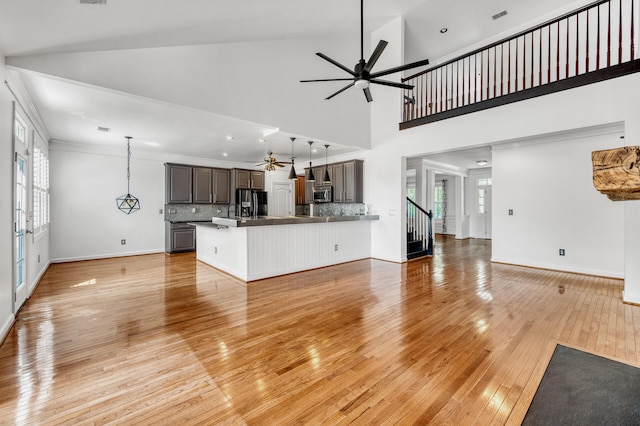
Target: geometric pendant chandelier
{"type": "Point", "coordinates": [128, 203]}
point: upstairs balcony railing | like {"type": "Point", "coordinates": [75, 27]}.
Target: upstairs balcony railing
{"type": "Point", "coordinates": [591, 44]}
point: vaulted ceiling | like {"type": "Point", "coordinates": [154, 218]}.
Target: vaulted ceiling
{"type": "Point", "coordinates": [45, 29]}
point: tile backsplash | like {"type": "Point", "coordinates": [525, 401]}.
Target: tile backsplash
{"type": "Point", "coordinates": [331, 209]}
{"type": "Point", "coordinates": [186, 213]}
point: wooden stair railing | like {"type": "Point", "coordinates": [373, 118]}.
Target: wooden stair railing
{"type": "Point", "coordinates": [419, 231]}
{"type": "Point", "coordinates": [591, 44]}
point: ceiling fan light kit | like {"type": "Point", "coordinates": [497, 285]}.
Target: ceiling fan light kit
{"type": "Point", "coordinates": [361, 76]}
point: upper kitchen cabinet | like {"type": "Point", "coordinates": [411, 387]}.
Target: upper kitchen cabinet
{"type": "Point", "coordinates": [248, 179]}
{"type": "Point", "coordinates": [353, 172]}
{"type": "Point", "coordinates": [202, 185]}
{"type": "Point", "coordinates": [196, 185]}
{"type": "Point", "coordinates": [221, 186]}
{"type": "Point", "coordinates": [346, 181]}
{"type": "Point", "coordinates": [301, 195]}
{"type": "Point", "coordinates": [178, 184]}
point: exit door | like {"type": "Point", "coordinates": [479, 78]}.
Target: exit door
{"type": "Point", "coordinates": [20, 231]}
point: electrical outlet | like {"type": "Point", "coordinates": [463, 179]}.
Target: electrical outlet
{"type": "Point", "coordinates": [123, 242]}
{"type": "Point", "coordinates": [38, 258]}
{"type": "Point", "coordinates": [215, 250]}
{"type": "Point", "coordinates": [335, 248]}
{"type": "Point", "coordinates": [561, 251]}
{"type": "Point", "coordinates": [510, 212]}
{"type": "Point", "coordinates": [160, 211]}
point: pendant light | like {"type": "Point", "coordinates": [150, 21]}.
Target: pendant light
{"type": "Point", "coordinates": [292, 172]}
{"type": "Point", "coordinates": [310, 176]}
{"type": "Point", "coordinates": [326, 180]}
{"type": "Point", "coordinates": [128, 203]}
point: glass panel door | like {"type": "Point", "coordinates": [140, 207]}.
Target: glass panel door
{"type": "Point", "coordinates": [20, 231]}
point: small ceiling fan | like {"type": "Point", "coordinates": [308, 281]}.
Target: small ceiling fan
{"type": "Point", "coordinates": [361, 76]}
{"type": "Point", "coordinates": [270, 162]}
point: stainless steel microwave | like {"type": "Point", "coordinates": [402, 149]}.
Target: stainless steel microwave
{"type": "Point", "coordinates": [322, 194]}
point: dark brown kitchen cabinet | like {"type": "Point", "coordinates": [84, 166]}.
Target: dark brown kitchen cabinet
{"type": "Point", "coordinates": [248, 179]}
{"type": "Point", "coordinates": [337, 181]}
{"type": "Point", "coordinates": [202, 185]}
{"type": "Point", "coordinates": [352, 181]}
{"type": "Point", "coordinates": [179, 237]}
{"type": "Point", "coordinates": [346, 181]}
{"type": "Point", "coordinates": [197, 185]}
{"type": "Point", "coordinates": [178, 184]}
{"type": "Point", "coordinates": [221, 186]}
{"type": "Point", "coordinates": [301, 190]}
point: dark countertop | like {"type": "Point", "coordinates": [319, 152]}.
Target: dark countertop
{"type": "Point", "coordinates": [237, 222]}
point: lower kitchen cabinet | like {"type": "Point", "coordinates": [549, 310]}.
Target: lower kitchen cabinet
{"type": "Point", "coordinates": [179, 237]}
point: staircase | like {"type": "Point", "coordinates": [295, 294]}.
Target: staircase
{"type": "Point", "coordinates": [419, 231]}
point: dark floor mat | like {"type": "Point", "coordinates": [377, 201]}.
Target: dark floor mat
{"type": "Point", "coordinates": [579, 388]}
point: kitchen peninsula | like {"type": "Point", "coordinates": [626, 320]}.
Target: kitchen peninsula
{"type": "Point", "coordinates": [257, 248]}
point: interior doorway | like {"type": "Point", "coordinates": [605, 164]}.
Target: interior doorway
{"type": "Point", "coordinates": [282, 203]}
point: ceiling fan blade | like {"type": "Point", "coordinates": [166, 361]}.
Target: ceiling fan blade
{"type": "Point", "coordinates": [341, 90]}
{"type": "Point", "coordinates": [375, 55]}
{"type": "Point", "coordinates": [392, 84]}
{"type": "Point", "coordinates": [279, 164]}
{"type": "Point", "coordinates": [261, 164]}
{"type": "Point", "coordinates": [367, 94]}
{"type": "Point", "coordinates": [337, 64]}
{"type": "Point", "coordinates": [400, 68]}
{"type": "Point", "coordinates": [326, 79]}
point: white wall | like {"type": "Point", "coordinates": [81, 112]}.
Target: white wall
{"type": "Point", "coordinates": [85, 183]}
{"type": "Point", "coordinates": [85, 221]}
{"type": "Point", "coordinates": [549, 186]}
{"type": "Point", "coordinates": [257, 81]}
{"type": "Point", "coordinates": [597, 104]}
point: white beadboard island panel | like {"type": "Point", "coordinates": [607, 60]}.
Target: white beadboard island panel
{"type": "Point", "coordinates": [257, 252]}
{"type": "Point", "coordinates": [223, 248]}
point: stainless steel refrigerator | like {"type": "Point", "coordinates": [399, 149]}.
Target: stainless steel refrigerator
{"type": "Point", "coordinates": [251, 203]}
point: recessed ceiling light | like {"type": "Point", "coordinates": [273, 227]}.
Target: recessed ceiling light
{"type": "Point", "coordinates": [260, 140]}
{"type": "Point", "coordinates": [229, 138]}
{"type": "Point", "coordinates": [153, 144]}
{"type": "Point", "coordinates": [314, 151]}
{"type": "Point", "coordinates": [224, 154]}
{"type": "Point", "coordinates": [443, 30]}
{"type": "Point", "coordinates": [482, 162]}
{"type": "Point", "coordinates": [104, 129]}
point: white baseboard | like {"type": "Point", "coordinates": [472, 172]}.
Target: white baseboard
{"type": "Point", "coordinates": [36, 281]}
{"type": "Point", "coordinates": [561, 268]}
{"type": "Point", "coordinates": [105, 256]}
{"type": "Point", "coordinates": [630, 298]}
{"type": "Point", "coordinates": [6, 327]}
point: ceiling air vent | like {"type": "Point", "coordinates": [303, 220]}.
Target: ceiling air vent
{"type": "Point", "coordinates": [499, 15]}
{"type": "Point", "coordinates": [104, 129]}
{"type": "Point", "coordinates": [93, 1]}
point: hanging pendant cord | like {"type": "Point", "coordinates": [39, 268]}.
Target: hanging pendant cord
{"type": "Point", "coordinates": [128, 163]}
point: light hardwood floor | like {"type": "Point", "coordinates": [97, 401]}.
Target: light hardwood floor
{"type": "Point", "coordinates": [161, 339]}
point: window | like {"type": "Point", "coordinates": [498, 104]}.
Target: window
{"type": "Point", "coordinates": [40, 187]}
{"type": "Point", "coordinates": [20, 130]}
{"type": "Point", "coordinates": [439, 201]}
{"type": "Point", "coordinates": [411, 193]}
{"type": "Point", "coordinates": [482, 192]}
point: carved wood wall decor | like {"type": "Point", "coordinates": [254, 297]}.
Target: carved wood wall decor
{"type": "Point", "coordinates": [616, 172]}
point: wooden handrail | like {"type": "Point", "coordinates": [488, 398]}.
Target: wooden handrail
{"type": "Point", "coordinates": [510, 38]}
